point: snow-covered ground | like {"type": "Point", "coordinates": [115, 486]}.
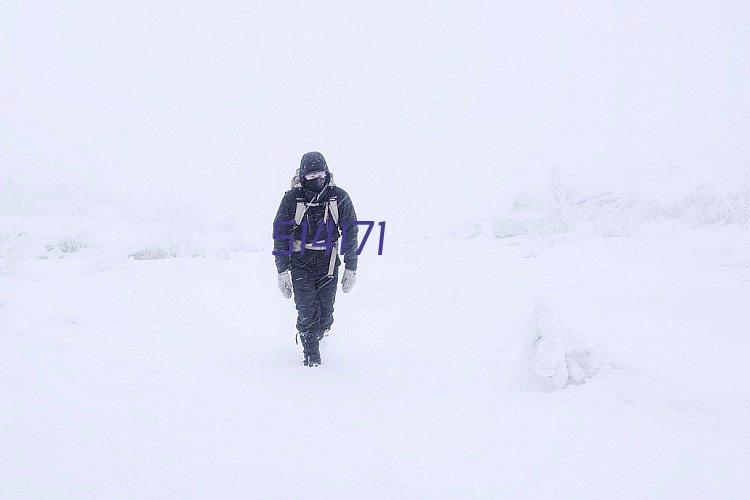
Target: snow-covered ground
{"type": "Point", "coordinates": [557, 363]}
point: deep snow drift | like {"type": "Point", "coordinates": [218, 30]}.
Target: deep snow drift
{"type": "Point", "coordinates": [563, 361]}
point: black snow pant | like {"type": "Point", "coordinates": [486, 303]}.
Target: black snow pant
{"type": "Point", "coordinates": [314, 292]}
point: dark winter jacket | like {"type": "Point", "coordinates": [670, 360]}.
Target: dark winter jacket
{"type": "Point", "coordinates": [313, 216]}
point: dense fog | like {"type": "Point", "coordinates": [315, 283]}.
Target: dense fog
{"type": "Point", "coordinates": [427, 113]}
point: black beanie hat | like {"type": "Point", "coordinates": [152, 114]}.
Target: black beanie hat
{"type": "Point", "coordinates": [312, 162]}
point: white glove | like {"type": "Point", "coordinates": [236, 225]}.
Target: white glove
{"type": "Point", "coordinates": [285, 284]}
{"type": "Point", "coordinates": [347, 282]}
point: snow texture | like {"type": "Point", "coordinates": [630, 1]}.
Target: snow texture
{"type": "Point", "coordinates": [593, 354]}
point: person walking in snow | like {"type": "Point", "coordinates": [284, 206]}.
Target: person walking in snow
{"type": "Point", "coordinates": [312, 216]}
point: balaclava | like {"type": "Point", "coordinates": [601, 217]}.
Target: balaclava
{"type": "Point", "coordinates": [313, 162]}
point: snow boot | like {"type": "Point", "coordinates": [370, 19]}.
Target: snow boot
{"type": "Point", "coordinates": [310, 346]}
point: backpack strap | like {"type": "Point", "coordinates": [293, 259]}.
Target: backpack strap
{"type": "Point", "coordinates": [300, 211]}
{"type": "Point", "coordinates": [333, 209]}
{"type": "Point", "coordinates": [332, 261]}
{"type": "Point", "coordinates": [302, 207]}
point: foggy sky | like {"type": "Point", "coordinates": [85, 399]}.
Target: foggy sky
{"type": "Point", "coordinates": [426, 111]}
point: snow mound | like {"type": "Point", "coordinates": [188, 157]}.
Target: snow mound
{"type": "Point", "coordinates": [552, 358]}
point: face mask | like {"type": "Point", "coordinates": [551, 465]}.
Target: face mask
{"type": "Point", "coordinates": [315, 181]}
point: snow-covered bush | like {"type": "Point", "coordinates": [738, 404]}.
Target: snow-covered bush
{"type": "Point", "coordinates": [600, 212]}
{"type": "Point", "coordinates": [709, 206]}
{"type": "Point", "coordinates": [153, 254]}
{"type": "Point", "coordinates": [71, 245]}
{"type": "Point", "coordinates": [49, 222]}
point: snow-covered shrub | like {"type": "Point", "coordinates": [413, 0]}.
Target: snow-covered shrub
{"type": "Point", "coordinates": [71, 245]}
{"type": "Point", "coordinates": [609, 215]}
{"type": "Point", "coordinates": [552, 358]}
{"type": "Point", "coordinates": [708, 206]}
{"type": "Point", "coordinates": [581, 213]}
{"type": "Point", "coordinates": [40, 221]}
{"type": "Point", "coordinates": [153, 254]}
